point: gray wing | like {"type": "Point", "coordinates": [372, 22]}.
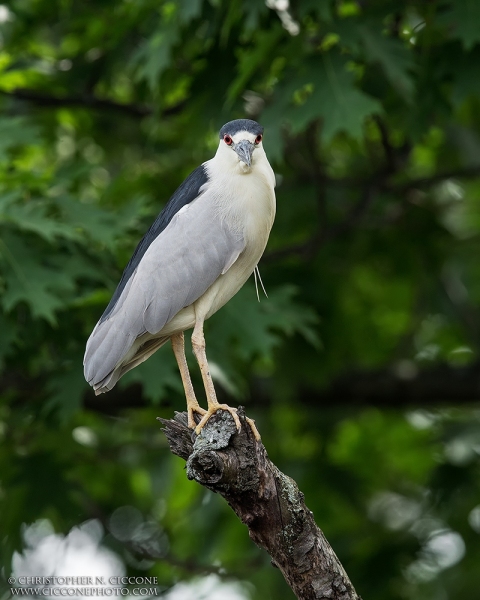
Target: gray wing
{"type": "Point", "coordinates": [178, 267]}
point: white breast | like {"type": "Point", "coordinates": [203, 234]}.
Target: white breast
{"type": "Point", "coordinates": [246, 200]}
{"type": "Point", "coordinates": [245, 197]}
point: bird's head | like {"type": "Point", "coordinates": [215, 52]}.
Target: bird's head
{"type": "Point", "coordinates": [238, 141]}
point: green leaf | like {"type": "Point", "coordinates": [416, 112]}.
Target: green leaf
{"type": "Point", "coordinates": [9, 335]}
{"type": "Point", "coordinates": [256, 328]}
{"type": "Point", "coordinates": [392, 55]}
{"type": "Point", "coordinates": [253, 59]}
{"type": "Point", "coordinates": [189, 9]}
{"type": "Point", "coordinates": [154, 56]}
{"type": "Point", "coordinates": [16, 131]}
{"type": "Point", "coordinates": [463, 18]}
{"type": "Point", "coordinates": [29, 278]}
{"type": "Point", "coordinates": [323, 89]}
{"type": "Point", "coordinates": [32, 216]}
{"type": "Point", "coordinates": [67, 388]}
{"type": "Point", "coordinates": [93, 221]}
{"type": "Point", "coordinates": [253, 13]}
{"type": "Point", "coordinates": [157, 375]}
{"type": "Point", "coordinates": [466, 83]}
{"type": "Point", "coordinates": [319, 7]}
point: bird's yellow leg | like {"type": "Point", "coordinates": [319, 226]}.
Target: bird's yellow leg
{"type": "Point", "coordinates": [198, 345]}
{"type": "Point", "coordinates": [254, 429]}
{"type": "Point", "coordinates": [178, 346]}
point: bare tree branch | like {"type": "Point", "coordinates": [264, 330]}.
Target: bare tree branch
{"type": "Point", "coordinates": [310, 247]}
{"type": "Point", "coordinates": [370, 188]}
{"type": "Point", "coordinates": [87, 101]}
{"type": "Point", "coordinates": [462, 173]}
{"type": "Point", "coordinates": [391, 163]}
{"type": "Point", "coordinates": [401, 387]}
{"type": "Point", "coordinates": [237, 467]}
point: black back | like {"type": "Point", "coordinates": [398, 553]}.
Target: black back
{"type": "Point", "coordinates": [186, 193]}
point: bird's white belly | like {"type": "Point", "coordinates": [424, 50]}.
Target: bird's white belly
{"type": "Point", "coordinates": [185, 319]}
{"type": "Point", "coordinates": [227, 285]}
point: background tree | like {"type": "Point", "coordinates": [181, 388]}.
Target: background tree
{"type": "Point", "coordinates": [361, 368]}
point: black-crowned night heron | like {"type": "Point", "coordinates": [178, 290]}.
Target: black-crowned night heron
{"type": "Point", "coordinates": [201, 249]}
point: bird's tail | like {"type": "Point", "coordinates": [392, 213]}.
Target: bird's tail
{"type": "Point", "coordinates": [111, 353]}
{"type": "Point", "coordinates": [144, 351]}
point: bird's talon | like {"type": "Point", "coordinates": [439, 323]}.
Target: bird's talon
{"type": "Point", "coordinates": [191, 419]}
{"type": "Point", "coordinates": [254, 429]}
{"type": "Point", "coordinates": [212, 410]}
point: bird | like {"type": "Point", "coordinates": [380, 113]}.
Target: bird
{"type": "Point", "coordinates": [201, 249]}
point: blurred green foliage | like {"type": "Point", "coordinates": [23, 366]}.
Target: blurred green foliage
{"type": "Point", "coordinates": [372, 125]}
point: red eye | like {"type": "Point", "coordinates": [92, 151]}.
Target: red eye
{"type": "Point", "coordinates": [228, 140]}
{"type": "Point", "coordinates": [258, 139]}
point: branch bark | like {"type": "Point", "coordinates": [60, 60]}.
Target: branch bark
{"type": "Point", "coordinates": [269, 502]}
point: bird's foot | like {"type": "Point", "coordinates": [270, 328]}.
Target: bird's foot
{"type": "Point", "coordinates": [254, 429]}
{"type": "Point", "coordinates": [213, 408]}
{"type": "Point", "coordinates": [194, 407]}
